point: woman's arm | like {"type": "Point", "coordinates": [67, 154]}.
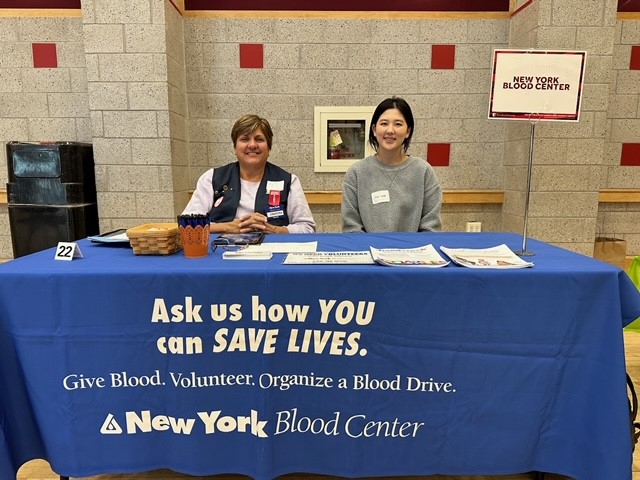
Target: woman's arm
{"type": "Point", "coordinates": [351, 218]}
{"type": "Point", "coordinates": [300, 217]}
{"type": "Point", "coordinates": [431, 204]}
{"type": "Point", "coordinates": [201, 201]}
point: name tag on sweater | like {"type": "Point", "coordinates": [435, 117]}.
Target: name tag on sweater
{"type": "Point", "coordinates": [380, 196]}
{"type": "Point", "coordinates": [277, 186]}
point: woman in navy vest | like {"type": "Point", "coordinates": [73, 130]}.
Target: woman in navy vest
{"type": "Point", "coordinates": [252, 194]}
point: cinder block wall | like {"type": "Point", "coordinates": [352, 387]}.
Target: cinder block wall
{"type": "Point", "coordinates": [156, 91]}
{"type": "Point", "coordinates": [623, 127]}
{"type": "Point", "coordinates": [341, 62]}
{"type": "Point", "coordinates": [40, 104]}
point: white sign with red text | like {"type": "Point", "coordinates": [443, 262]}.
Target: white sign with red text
{"type": "Point", "coordinates": [537, 84]}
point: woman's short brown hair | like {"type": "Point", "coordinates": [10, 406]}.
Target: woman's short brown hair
{"type": "Point", "coordinates": [249, 124]}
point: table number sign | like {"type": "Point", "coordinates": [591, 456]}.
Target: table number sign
{"type": "Point", "coordinates": [67, 251]}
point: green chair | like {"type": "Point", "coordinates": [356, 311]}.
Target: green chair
{"type": "Point", "coordinates": [634, 273]}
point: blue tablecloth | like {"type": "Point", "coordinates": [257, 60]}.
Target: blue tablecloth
{"type": "Point", "coordinates": [123, 363]}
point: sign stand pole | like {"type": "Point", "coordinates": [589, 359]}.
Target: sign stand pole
{"type": "Point", "coordinates": [524, 252]}
{"type": "Point", "coordinates": [527, 82]}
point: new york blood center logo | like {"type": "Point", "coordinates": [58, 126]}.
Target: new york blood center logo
{"type": "Point", "coordinates": [537, 83]}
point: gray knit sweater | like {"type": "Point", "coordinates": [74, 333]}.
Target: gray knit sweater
{"type": "Point", "coordinates": [412, 204]}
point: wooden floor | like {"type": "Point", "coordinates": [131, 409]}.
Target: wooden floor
{"type": "Point", "coordinates": [39, 469]}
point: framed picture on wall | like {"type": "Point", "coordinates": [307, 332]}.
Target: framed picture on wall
{"type": "Point", "coordinates": [341, 137]}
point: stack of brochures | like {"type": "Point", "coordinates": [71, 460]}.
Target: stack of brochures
{"type": "Point", "coordinates": [425, 256]}
{"type": "Point", "coordinates": [493, 257]}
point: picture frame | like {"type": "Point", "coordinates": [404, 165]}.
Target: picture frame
{"type": "Point", "coordinates": [341, 136]}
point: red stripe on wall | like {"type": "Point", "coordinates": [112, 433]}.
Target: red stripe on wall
{"type": "Point", "coordinates": [354, 5]}
{"type": "Point", "coordinates": [47, 4]}
{"type": "Point", "coordinates": [629, 5]}
{"type": "Point", "coordinates": [173, 3]}
{"type": "Point", "coordinates": [522, 7]}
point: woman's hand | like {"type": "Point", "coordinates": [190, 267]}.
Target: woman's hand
{"type": "Point", "coordinates": [225, 227]}
{"type": "Point", "coordinates": [254, 222]}
{"type": "Point", "coordinates": [257, 222]}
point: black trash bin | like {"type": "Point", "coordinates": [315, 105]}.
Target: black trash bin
{"type": "Point", "coordinates": [51, 194]}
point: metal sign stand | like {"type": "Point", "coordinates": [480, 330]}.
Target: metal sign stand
{"type": "Point", "coordinates": [534, 119]}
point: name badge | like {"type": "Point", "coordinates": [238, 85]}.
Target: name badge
{"type": "Point", "coordinates": [274, 212]}
{"type": "Point", "coordinates": [279, 186]}
{"type": "Point", "coordinates": [381, 196]}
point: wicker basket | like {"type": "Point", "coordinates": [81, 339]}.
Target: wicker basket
{"type": "Point", "coordinates": [155, 239]}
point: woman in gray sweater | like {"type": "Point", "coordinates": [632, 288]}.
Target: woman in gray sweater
{"type": "Point", "coordinates": [391, 191]}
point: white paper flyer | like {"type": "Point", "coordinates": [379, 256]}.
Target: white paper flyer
{"type": "Point", "coordinates": [331, 258]}
{"type": "Point", "coordinates": [500, 256]}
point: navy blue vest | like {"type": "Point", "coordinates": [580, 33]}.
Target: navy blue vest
{"type": "Point", "coordinates": [226, 193]}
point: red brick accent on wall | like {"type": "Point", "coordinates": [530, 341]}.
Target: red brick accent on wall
{"type": "Point", "coordinates": [45, 55]}
{"type": "Point", "coordinates": [443, 57]}
{"type": "Point", "coordinates": [438, 154]}
{"type": "Point", "coordinates": [521, 8]}
{"type": "Point", "coordinates": [630, 155]}
{"type": "Point", "coordinates": [251, 55]}
{"type": "Point", "coordinates": [634, 62]}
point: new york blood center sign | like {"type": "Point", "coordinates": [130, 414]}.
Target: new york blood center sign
{"type": "Point", "coordinates": [537, 84]}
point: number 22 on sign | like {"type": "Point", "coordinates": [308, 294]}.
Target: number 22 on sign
{"type": "Point", "coordinates": [67, 251]}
